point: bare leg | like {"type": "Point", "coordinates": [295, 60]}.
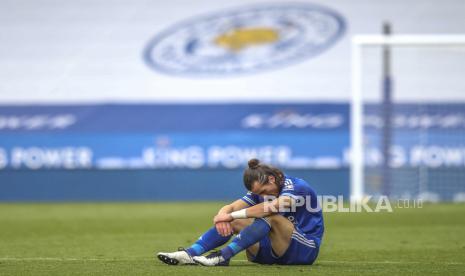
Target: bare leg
{"type": "Point", "coordinates": [280, 234]}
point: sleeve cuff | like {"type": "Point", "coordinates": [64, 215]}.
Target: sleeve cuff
{"type": "Point", "coordinates": [290, 195]}
{"type": "Point", "coordinates": [248, 201]}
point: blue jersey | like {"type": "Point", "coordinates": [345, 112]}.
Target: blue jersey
{"type": "Point", "coordinates": [308, 220]}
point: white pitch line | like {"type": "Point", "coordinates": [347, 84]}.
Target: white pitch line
{"type": "Point", "coordinates": [387, 262]}
{"type": "Point", "coordinates": [235, 261]}
{"type": "Point", "coordinates": [372, 262]}
{"type": "Point", "coordinates": [67, 259]}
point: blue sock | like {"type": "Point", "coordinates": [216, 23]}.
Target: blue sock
{"type": "Point", "coordinates": [246, 238]}
{"type": "Point", "coordinates": [208, 241]}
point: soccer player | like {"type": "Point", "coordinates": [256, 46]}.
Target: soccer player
{"type": "Point", "coordinates": [277, 222]}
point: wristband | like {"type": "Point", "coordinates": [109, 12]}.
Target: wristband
{"type": "Point", "coordinates": [241, 214]}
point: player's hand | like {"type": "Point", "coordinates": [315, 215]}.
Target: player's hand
{"type": "Point", "coordinates": [224, 228]}
{"type": "Point", "coordinates": [222, 224]}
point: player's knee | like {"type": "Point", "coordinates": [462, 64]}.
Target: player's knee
{"type": "Point", "coordinates": [274, 219]}
{"type": "Point", "coordinates": [277, 221]}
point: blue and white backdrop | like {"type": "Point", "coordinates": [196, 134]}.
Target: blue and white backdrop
{"type": "Point", "coordinates": [156, 100]}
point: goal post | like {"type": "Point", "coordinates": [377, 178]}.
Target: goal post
{"type": "Point", "coordinates": [357, 129]}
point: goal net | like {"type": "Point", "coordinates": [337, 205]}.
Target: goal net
{"type": "Point", "coordinates": [408, 117]}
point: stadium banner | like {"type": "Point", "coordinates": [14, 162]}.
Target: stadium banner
{"type": "Point", "coordinates": [127, 100]}
{"type": "Point", "coordinates": [220, 136]}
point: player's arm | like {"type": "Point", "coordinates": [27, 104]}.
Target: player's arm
{"type": "Point", "coordinates": [224, 227]}
{"type": "Point", "coordinates": [234, 206]}
{"type": "Point", "coordinates": [265, 209]}
{"type": "Point", "coordinates": [261, 210]}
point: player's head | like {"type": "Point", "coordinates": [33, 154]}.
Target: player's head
{"type": "Point", "coordinates": [263, 179]}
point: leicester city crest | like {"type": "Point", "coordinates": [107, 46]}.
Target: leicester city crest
{"type": "Point", "coordinates": [244, 40]}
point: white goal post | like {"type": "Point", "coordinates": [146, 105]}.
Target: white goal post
{"type": "Point", "coordinates": [359, 42]}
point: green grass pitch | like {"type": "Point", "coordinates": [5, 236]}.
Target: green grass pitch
{"type": "Point", "coordinates": [121, 238]}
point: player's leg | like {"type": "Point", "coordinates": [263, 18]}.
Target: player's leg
{"type": "Point", "coordinates": [272, 247]}
{"type": "Point", "coordinates": [280, 234]}
{"type": "Point", "coordinates": [277, 227]}
{"type": "Point", "coordinates": [250, 235]}
{"type": "Point", "coordinates": [238, 225]}
{"type": "Point", "coordinates": [285, 244]}
{"type": "Point", "coordinates": [208, 241]}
